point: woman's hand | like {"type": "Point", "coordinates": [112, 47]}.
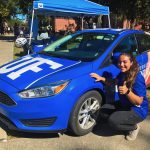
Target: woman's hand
{"type": "Point", "coordinates": [133, 98]}
{"type": "Point", "coordinates": [97, 77]}
{"type": "Point", "coordinates": [123, 89]}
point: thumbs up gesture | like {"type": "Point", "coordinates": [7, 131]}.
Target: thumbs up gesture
{"type": "Point", "coordinates": [123, 89]}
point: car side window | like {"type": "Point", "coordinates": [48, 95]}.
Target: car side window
{"type": "Point", "coordinates": [143, 42]}
{"type": "Point", "coordinates": [127, 45]}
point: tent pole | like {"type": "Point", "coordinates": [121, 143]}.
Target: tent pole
{"type": "Point", "coordinates": [109, 19]}
{"type": "Point", "coordinates": [31, 27]}
{"type": "Point", "coordinates": [82, 23]}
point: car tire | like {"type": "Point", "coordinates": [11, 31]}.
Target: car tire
{"type": "Point", "coordinates": [84, 115]}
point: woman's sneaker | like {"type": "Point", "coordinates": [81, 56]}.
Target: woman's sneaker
{"type": "Point", "coordinates": [133, 134]}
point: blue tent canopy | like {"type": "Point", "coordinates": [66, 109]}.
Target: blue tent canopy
{"type": "Point", "coordinates": [69, 8]}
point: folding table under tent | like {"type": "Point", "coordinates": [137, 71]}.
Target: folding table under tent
{"type": "Point", "coordinates": [70, 8]}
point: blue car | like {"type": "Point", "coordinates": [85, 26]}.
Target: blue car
{"type": "Point", "coordinates": [51, 91]}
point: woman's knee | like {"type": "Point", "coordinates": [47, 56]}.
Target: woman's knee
{"type": "Point", "coordinates": [114, 123]}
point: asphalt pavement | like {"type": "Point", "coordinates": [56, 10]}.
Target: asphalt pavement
{"type": "Point", "coordinates": [6, 49]}
{"type": "Point", "coordinates": [102, 137]}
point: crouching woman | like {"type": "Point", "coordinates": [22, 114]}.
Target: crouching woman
{"type": "Point", "coordinates": [132, 106]}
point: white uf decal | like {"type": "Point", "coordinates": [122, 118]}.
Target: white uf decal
{"type": "Point", "coordinates": [31, 64]}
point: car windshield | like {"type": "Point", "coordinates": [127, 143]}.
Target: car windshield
{"type": "Point", "coordinates": [83, 46]}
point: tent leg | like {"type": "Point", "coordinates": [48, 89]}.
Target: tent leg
{"type": "Point", "coordinates": [82, 23]}
{"type": "Point", "coordinates": [31, 27]}
{"type": "Point", "coordinates": [109, 19]}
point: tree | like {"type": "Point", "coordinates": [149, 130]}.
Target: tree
{"type": "Point", "coordinates": [10, 8]}
{"type": "Point", "coordinates": [128, 10]}
{"type": "Point", "coordinates": [143, 11]}
{"type": "Point", "coordinates": [131, 9]}
{"type": "Point", "coordinates": [24, 5]}
{"type": "Point", "coordinates": [7, 8]}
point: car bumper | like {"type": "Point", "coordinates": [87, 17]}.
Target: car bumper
{"type": "Point", "coordinates": [11, 126]}
{"type": "Point", "coordinates": [48, 114]}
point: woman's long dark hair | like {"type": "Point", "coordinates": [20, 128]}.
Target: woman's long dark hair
{"type": "Point", "coordinates": [132, 72]}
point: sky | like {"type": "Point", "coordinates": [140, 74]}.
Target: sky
{"type": "Point", "coordinates": [21, 17]}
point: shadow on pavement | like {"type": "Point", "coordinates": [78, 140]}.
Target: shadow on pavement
{"type": "Point", "coordinates": [103, 129]}
{"type": "Point", "coordinates": [20, 54]}
{"type": "Point", "coordinates": [32, 135]}
{"type": "Point", "coordinates": [19, 134]}
{"type": "Point", "coordinates": [7, 38]}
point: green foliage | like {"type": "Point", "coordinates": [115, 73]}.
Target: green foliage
{"type": "Point", "coordinates": [17, 52]}
{"type": "Point", "coordinates": [11, 22]}
{"type": "Point", "coordinates": [143, 11]}
{"type": "Point", "coordinates": [10, 8]}
{"type": "Point", "coordinates": [7, 8]}
{"type": "Point", "coordinates": [131, 9]}
{"type": "Point", "coordinates": [24, 5]}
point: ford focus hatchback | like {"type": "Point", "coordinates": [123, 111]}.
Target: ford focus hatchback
{"type": "Point", "coordinates": [52, 90]}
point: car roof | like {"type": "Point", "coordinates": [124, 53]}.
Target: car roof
{"type": "Point", "coordinates": [112, 31]}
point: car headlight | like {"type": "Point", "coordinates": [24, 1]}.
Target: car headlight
{"type": "Point", "coordinates": [44, 91]}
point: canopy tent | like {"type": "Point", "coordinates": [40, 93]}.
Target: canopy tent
{"type": "Point", "coordinates": [68, 8]}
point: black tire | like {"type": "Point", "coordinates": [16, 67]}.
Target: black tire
{"type": "Point", "coordinates": [76, 123]}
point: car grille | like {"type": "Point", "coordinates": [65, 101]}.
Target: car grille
{"type": "Point", "coordinates": [5, 99]}
{"type": "Point", "coordinates": [39, 122]}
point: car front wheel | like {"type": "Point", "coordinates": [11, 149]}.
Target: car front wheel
{"type": "Point", "coordinates": [85, 113]}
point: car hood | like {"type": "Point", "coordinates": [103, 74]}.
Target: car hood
{"type": "Point", "coordinates": [29, 70]}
